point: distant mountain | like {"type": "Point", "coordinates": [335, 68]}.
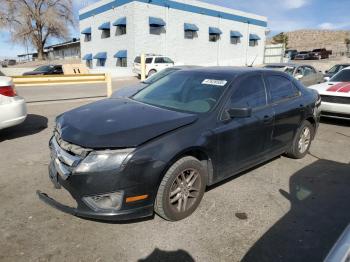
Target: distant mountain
{"type": "Point", "coordinates": [307, 40]}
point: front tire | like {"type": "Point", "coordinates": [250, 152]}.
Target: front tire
{"type": "Point", "coordinates": [302, 141]}
{"type": "Point", "coordinates": [181, 190]}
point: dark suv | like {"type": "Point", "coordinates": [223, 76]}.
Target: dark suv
{"type": "Point", "coordinates": [320, 53]}
{"type": "Point", "coordinates": [125, 158]}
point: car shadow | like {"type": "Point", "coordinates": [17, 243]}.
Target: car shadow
{"type": "Point", "coordinates": [335, 121]}
{"type": "Point", "coordinates": [32, 125]}
{"type": "Point", "coordinates": [320, 211]}
{"type": "Point", "coordinates": [170, 256]}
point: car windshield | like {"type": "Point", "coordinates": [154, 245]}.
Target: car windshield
{"type": "Point", "coordinates": [333, 69]}
{"type": "Point", "coordinates": [342, 76]}
{"type": "Point", "coordinates": [43, 68]}
{"type": "Point", "coordinates": [160, 75]}
{"type": "Point", "coordinates": [194, 92]}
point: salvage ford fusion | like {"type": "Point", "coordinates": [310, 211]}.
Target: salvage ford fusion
{"type": "Point", "coordinates": [158, 151]}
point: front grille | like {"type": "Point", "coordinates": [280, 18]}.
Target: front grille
{"type": "Point", "coordinates": [71, 148]}
{"type": "Point", "coordinates": [336, 99]}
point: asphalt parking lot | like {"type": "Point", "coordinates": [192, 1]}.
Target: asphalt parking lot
{"type": "Point", "coordinates": [283, 210]}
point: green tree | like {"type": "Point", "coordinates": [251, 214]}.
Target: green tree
{"type": "Point", "coordinates": [281, 38]}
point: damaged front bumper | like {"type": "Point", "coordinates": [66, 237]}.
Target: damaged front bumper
{"type": "Point", "coordinates": [135, 213]}
{"type": "Point", "coordinates": [87, 189]}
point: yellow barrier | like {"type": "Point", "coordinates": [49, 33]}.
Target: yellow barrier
{"type": "Point", "coordinates": [48, 80]}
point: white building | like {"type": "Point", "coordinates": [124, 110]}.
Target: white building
{"type": "Point", "coordinates": [188, 31]}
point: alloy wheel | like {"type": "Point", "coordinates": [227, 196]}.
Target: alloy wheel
{"type": "Point", "coordinates": [304, 140]}
{"type": "Point", "coordinates": [185, 190]}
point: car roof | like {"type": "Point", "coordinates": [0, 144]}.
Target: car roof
{"type": "Point", "coordinates": [185, 67]}
{"type": "Point", "coordinates": [230, 71]}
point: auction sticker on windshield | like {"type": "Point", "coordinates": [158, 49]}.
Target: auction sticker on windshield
{"type": "Point", "coordinates": [214, 82]}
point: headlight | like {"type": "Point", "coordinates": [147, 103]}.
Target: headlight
{"type": "Point", "coordinates": [99, 161]}
{"type": "Point", "coordinates": [112, 201]}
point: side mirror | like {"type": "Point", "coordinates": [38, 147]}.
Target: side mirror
{"type": "Point", "coordinates": [298, 77]}
{"type": "Point", "coordinates": [239, 112]}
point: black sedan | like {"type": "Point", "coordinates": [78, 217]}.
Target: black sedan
{"type": "Point", "coordinates": [127, 158]}
{"type": "Point", "coordinates": [46, 70]}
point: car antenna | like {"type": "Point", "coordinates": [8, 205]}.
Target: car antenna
{"type": "Point", "coordinates": [251, 65]}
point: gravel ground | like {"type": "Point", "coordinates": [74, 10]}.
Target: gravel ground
{"type": "Point", "coordinates": [283, 210]}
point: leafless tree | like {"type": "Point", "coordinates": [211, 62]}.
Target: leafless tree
{"type": "Point", "coordinates": [36, 21]}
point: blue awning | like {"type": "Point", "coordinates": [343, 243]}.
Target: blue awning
{"type": "Point", "coordinates": [236, 34]}
{"type": "Point", "coordinates": [105, 26]}
{"type": "Point", "coordinates": [86, 31]}
{"type": "Point", "coordinates": [214, 31]}
{"type": "Point", "coordinates": [101, 55]}
{"type": "Point", "coordinates": [254, 37]}
{"type": "Point", "coordinates": [191, 27]}
{"type": "Point", "coordinates": [87, 57]}
{"type": "Point", "coordinates": [157, 22]}
{"type": "Point", "coordinates": [121, 54]}
{"type": "Point", "coordinates": [120, 22]}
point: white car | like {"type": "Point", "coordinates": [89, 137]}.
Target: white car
{"type": "Point", "coordinates": [335, 95]}
{"type": "Point", "coordinates": [154, 64]}
{"type": "Point", "coordinates": [13, 110]}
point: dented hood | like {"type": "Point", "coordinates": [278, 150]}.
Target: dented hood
{"type": "Point", "coordinates": [118, 123]}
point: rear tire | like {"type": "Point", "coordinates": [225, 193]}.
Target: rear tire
{"type": "Point", "coordinates": [181, 190]}
{"type": "Point", "coordinates": [302, 141]}
{"type": "Point", "coordinates": [151, 72]}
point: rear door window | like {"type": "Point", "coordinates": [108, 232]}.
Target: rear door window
{"type": "Point", "coordinates": [251, 93]}
{"type": "Point", "coordinates": [149, 60]}
{"type": "Point", "coordinates": [281, 88]}
{"type": "Point", "coordinates": [159, 60]}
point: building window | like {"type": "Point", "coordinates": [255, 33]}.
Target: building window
{"type": "Point", "coordinates": [122, 62]}
{"type": "Point", "coordinates": [214, 37]}
{"type": "Point", "coordinates": [106, 34]}
{"type": "Point", "coordinates": [235, 40]}
{"type": "Point", "coordinates": [190, 34]}
{"type": "Point", "coordinates": [120, 30]}
{"type": "Point", "coordinates": [87, 38]}
{"type": "Point", "coordinates": [156, 26]}
{"type": "Point", "coordinates": [88, 63]}
{"type": "Point", "coordinates": [253, 43]}
{"type": "Point", "coordinates": [101, 62]}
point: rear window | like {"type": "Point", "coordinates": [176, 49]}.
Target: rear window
{"type": "Point", "coordinates": [281, 88]}
{"type": "Point", "coordinates": [43, 69]}
{"type": "Point", "coordinates": [137, 59]}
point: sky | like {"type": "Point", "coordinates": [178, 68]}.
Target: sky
{"type": "Point", "coordinates": [283, 16]}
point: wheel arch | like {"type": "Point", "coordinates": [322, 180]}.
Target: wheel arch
{"type": "Point", "coordinates": [199, 153]}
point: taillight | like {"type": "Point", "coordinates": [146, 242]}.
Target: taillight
{"type": "Point", "coordinates": [7, 91]}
